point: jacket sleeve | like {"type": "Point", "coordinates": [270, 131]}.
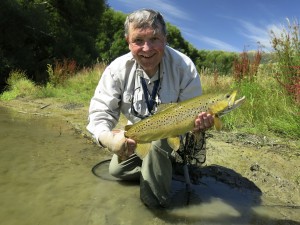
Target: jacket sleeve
{"type": "Point", "coordinates": [181, 78]}
{"type": "Point", "coordinates": [104, 110]}
{"type": "Point", "coordinates": [190, 85]}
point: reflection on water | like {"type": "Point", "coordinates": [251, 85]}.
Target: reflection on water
{"type": "Point", "coordinates": [45, 178]}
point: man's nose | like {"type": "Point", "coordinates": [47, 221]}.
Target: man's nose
{"type": "Point", "coordinates": [147, 45]}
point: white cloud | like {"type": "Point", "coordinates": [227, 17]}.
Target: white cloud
{"type": "Point", "coordinates": [259, 34]}
{"type": "Point", "coordinates": [167, 8]}
{"type": "Point", "coordinates": [218, 44]}
{"type": "Point", "coordinates": [213, 42]}
{"type": "Point", "coordinates": [276, 29]}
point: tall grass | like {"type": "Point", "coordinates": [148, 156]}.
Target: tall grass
{"type": "Point", "coordinates": [78, 87]}
{"type": "Point", "coordinates": [18, 86]}
{"type": "Point", "coordinates": [61, 71]}
{"type": "Point", "coordinates": [267, 110]}
{"type": "Point", "coordinates": [286, 45]}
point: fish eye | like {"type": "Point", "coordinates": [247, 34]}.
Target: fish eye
{"type": "Point", "coordinates": [228, 96]}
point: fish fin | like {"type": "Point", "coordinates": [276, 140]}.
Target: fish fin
{"type": "Point", "coordinates": [174, 143]}
{"type": "Point", "coordinates": [127, 127]}
{"type": "Point", "coordinates": [142, 149]}
{"type": "Point", "coordinates": [218, 123]}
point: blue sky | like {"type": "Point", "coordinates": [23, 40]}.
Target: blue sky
{"type": "Point", "coordinates": [229, 25]}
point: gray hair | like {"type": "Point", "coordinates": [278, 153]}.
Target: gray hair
{"type": "Point", "coordinates": [145, 18]}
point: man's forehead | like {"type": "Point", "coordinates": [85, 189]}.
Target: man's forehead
{"type": "Point", "coordinates": [144, 30]}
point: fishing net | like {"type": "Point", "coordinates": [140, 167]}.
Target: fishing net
{"type": "Point", "coordinates": [192, 150]}
{"type": "Point", "coordinates": [101, 170]}
{"type": "Point", "coordinates": [192, 153]}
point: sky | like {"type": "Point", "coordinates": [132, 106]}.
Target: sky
{"type": "Point", "coordinates": [227, 25]}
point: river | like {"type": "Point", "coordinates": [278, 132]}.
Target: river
{"type": "Point", "coordinates": [46, 179]}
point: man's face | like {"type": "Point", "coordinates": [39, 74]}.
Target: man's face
{"type": "Point", "coordinates": [147, 47]}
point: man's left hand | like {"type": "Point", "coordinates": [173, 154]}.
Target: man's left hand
{"type": "Point", "coordinates": [203, 121]}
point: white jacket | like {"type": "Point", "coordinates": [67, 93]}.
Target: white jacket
{"type": "Point", "coordinates": [120, 83]}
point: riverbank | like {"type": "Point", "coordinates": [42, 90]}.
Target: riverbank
{"type": "Point", "coordinates": [271, 163]}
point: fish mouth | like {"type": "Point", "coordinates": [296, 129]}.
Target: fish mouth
{"type": "Point", "coordinates": [232, 103]}
{"type": "Point", "coordinates": [237, 103]}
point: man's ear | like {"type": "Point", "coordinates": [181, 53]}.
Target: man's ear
{"type": "Point", "coordinates": [127, 40]}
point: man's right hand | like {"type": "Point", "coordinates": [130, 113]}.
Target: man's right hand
{"type": "Point", "coordinates": [117, 143]}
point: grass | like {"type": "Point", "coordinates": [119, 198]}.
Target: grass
{"type": "Point", "coordinates": [18, 86]}
{"type": "Point", "coordinates": [78, 88]}
{"type": "Point", "coordinates": [268, 108]}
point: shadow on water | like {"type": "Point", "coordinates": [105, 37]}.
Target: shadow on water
{"type": "Point", "coordinates": [222, 197]}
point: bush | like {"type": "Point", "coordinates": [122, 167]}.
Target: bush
{"type": "Point", "coordinates": [18, 86]}
{"type": "Point", "coordinates": [287, 49]}
{"type": "Point", "coordinates": [61, 71]}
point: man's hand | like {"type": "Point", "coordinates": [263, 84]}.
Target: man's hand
{"type": "Point", "coordinates": [203, 121]}
{"type": "Point", "coordinates": [116, 142]}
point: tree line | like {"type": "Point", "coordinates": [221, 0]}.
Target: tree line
{"type": "Point", "coordinates": [37, 33]}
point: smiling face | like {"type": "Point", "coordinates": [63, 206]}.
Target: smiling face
{"type": "Point", "coordinates": [147, 47]}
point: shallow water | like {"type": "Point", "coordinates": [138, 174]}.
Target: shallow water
{"type": "Point", "coordinates": [46, 178]}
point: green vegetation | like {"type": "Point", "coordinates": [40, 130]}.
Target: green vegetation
{"type": "Point", "coordinates": [77, 88]}
{"type": "Point", "coordinates": [46, 48]}
{"type": "Point", "coordinates": [268, 109]}
{"type": "Point", "coordinates": [36, 34]}
{"type": "Point", "coordinates": [18, 86]}
{"type": "Point", "coordinates": [287, 52]}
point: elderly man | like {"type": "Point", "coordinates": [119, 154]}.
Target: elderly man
{"type": "Point", "coordinates": [134, 84]}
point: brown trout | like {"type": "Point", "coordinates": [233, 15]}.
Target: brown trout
{"type": "Point", "coordinates": [175, 119]}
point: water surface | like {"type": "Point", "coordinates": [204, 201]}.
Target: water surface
{"type": "Point", "coordinates": [46, 179]}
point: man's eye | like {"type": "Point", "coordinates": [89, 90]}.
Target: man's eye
{"type": "Point", "coordinates": [138, 41]}
{"type": "Point", "coordinates": [156, 40]}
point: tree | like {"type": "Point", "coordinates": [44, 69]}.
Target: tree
{"type": "Point", "coordinates": [76, 25]}
{"type": "Point", "coordinates": [37, 32]}
{"type": "Point", "coordinates": [25, 38]}
{"type": "Point", "coordinates": [175, 40]}
{"type": "Point", "coordinates": [111, 41]}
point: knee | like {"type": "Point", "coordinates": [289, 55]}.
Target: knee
{"type": "Point", "coordinates": [127, 170]}
{"type": "Point", "coordinates": [161, 147]}
{"type": "Point", "coordinates": [115, 169]}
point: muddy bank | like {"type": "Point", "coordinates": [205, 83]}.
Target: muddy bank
{"type": "Point", "coordinates": [271, 163]}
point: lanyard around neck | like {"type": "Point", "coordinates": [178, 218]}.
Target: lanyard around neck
{"type": "Point", "coordinates": [150, 102]}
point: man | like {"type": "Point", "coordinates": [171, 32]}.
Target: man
{"type": "Point", "coordinates": [134, 84]}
